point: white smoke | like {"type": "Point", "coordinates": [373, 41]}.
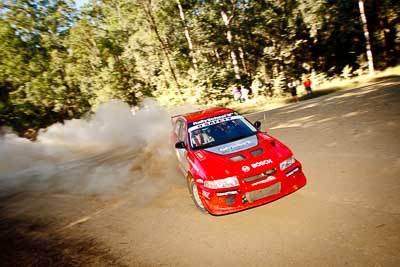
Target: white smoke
{"type": "Point", "coordinates": [110, 151]}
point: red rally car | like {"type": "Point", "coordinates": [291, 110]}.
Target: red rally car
{"type": "Point", "coordinates": [229, 164]}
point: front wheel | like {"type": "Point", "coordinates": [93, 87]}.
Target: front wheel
{"type": "Point", "coordinates": [194, 192]}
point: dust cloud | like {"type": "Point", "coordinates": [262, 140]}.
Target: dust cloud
{"type": "Point", "coordinates": [109, 152]}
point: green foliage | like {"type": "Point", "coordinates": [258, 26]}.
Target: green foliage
{"type": "Point", "coordinates": [32, 65]}
{"type": "Point", "coordinates": [57, 63]}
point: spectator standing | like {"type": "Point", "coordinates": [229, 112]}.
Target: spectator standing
{"type": "Point", "coordinates": [307, 86]}
{"type": "Point", "coordinates": [244, 93]}
{"type": "Point", "coordinates": [293, 90]}
{"type": "Point", "coordinates": [236, 94]}
{"type": "Point", "coordinates": [269, 85]}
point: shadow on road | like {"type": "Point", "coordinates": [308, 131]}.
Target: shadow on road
{"type": "Point", "coordinates": [24, 242]}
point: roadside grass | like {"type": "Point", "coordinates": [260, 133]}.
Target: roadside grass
{"type": "Point", "coordinates": [337, 84]}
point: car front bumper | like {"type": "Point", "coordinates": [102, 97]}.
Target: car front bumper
{"type": "Point", "coordinates": [241, 198]}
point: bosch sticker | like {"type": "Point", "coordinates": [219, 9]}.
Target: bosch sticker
{"type": "Point", "coordinates": [246, 168]}
{"type": "Point", "coordinates": [261, 163]}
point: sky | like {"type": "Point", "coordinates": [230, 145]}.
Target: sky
{"type": "Point", "coordinates": [80, 3]}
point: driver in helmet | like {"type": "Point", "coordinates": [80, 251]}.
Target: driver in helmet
{"type": "Point", "coordinates": [200, 137]}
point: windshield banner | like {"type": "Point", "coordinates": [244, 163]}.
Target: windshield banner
{"type": "Point", "coordinates": [214, 120]}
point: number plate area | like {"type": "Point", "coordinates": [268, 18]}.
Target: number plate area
{"type": "Point", "coordinates": [264, 192]}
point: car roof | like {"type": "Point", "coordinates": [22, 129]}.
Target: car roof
{"type": "Point", "coordinates": [206, 113]}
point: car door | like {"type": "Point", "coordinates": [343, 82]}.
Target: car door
{"type": "Point", "coordinates": [182, 153]}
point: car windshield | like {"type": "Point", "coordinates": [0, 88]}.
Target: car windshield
{"type": "Point", "coordinates": [219, 130]}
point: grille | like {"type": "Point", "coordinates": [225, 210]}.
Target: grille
{"type": "Point", "coordinates": [259, 176]}
{"type": "Point", "coordinates": [256, 152]}
{"type": "Point", "coordinates": [237, 158]}
{"type": "Point", "coordinates": [230, 200]}
{"type": "Point", "coordinates": [262, 193]}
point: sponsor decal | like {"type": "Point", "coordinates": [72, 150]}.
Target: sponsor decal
{"type": "Point", "coordinates": [214, 120]}
{"type": "Point", "coordinates": [269, 179]}
{"type": "Point", "coordinates": [193, 165]}
{"type": "Point", "coordinates": [246, 168]}
{"type": "Point", "coordinates": [200, 181]}
{"type": "Point", "coordinates": [234, 146]}
{"type": "Point", "coordinates": [200, 156]}
{"type": "Point", "coordinates": [206, 194]}
{"type": "Point", "coordinates": [261, 163]}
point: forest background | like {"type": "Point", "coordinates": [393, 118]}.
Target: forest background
{"type": "Point", "coordinates": [58, 62]}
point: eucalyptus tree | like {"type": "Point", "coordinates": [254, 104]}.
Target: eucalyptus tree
{"type": "Point", "coordinates": [383, 18]}
{"type": "Point", "coordinates": [187, 35]}
{"type": "Point", "coordinates": [275, 39]}
{"type": "Point", "coordinates": [101, 47]}
{"type": "Point", "coordinates": [34, 77]}
{"type": "Point", "coordinates": [367, 39]}
{"type": "Point", "coordinates": [227, 9]}
{"type": "Point", "coordinates": [147, 7]}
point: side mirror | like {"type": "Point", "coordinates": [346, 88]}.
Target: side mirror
{"type": "Point", "coordinates": [257, 124]}
{"type": "Point", "coordinates": [180, 145]}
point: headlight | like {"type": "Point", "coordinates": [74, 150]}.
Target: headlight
{"type": "Point", "coordinates": [222, 183]}
{"type": "Point", "coordinates": [287, 163]}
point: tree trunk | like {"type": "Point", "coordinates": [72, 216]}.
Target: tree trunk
{"type": "Point", "coordinates": [242, 59]}
{"type": "Point", "coordinates": [164, 47]}
{"type": "Point", "coordinates": [227, 21]}
{"type": "Point", "coordinates": [217, 56]}
{"type": "Point", "coordinates": [366, 33]}
{"type": "Point", "coordinates": [187, 35]}
{"type": "Point", "coordinates": [383, 32]}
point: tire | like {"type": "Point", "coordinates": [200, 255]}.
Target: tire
{"type": "Point", "coordinates": [194, 193]}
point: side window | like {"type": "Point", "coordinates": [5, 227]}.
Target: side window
{"type": "Point", "coordinates": [182, 132]}
{"type": "Point", "coordinates": [177, 127]}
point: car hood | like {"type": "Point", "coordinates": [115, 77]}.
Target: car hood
{"type": "Point", "coordinates": [235, 146]}
{"type": "Point", "coordinates": [245, 157]}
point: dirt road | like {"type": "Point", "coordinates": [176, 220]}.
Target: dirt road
{"type": "Point", "coordinates": [347, 215]}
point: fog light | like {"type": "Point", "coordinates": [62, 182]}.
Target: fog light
{"type": "Point", "coordinates": [230, 200]}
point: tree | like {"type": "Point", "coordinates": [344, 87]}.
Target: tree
{"type": "Point", "coordinates": [367, 39]}
{"type": "Point", "coordinates": [187, 35]}
{"type": "Point", "coordinates": [34, 78]}
{"type": "Point", "coordinates": [57, 63]}
{"type": "Point", "coordinates": [165, 47]}
{"type": "Point", "coordinates": [228, 14]}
